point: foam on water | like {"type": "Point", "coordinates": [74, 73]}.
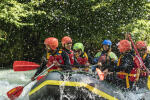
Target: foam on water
{"type": "Point", "coordinates": [10, 79]}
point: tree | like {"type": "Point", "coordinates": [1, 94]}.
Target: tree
{"type": "Point", "coordinates": [27, 23]}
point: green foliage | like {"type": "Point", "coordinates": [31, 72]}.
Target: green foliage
{"type": "Point", "coordinates": [14, 13]}
{"type": "Point", "coordinates": [140, 27]}
{"type": "Point", "coordinates": [27, 23]}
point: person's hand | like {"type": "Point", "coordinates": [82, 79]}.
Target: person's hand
{"type": "Point", "coordinates": [93, 68]}
{"type": "Point", "coordinates": [99, 64]}
{"type": "Point", "coordinates": [105, 72]}
{"type": "Point", "coordinates": [33, 78]}
{"type": "Point", "coordinates": [56, 63]}
{"type": "Point", "coordinates": [87, 64]}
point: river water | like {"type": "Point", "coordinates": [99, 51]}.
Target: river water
{"type": "Point", "coordinates": [10, 79]}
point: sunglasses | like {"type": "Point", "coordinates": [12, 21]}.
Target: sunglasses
{"type": "Point", "coordinates": [69, 43]}
{"type": "Point", "coordinates": [77, 50]}
{"type": "Point", "coordinates": [142, 50]}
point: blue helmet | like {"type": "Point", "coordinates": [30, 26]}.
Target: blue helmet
{"type": "Point", "coordinates": [107, 42]}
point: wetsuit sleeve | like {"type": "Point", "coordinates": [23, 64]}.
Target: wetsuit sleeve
{"type": "Point", "coordinates": [75, 61]}
{"type": "Point", "coordinates": [126, 64]}
{"type": "Point", "coordinates": [67, 64]}
{"type": "Point", "coordinates": [42, 66]}
{"type": "Point", "coordinates": [97, 55]}
{"type": "Point", "coordinates": [147, 62]}
{"type": "Point", "coordinates": [113, 56]}
{"type": "Point", "coordinates": [76, 64]}
{"type": "Point", "coordinates": [110, 66]}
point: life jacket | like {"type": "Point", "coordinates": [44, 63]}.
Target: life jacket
{"type": "Point", "coordinates": [143, 72]}
{"type": "Point", "coordinates": [71, 57]}
{"type": "Point", "coordinates": [102, 58]}
{"type": "Point", "coordinates": [55, 57]}
{"type": "Point", "coordinates": [105, 60]}
{"type": "Point", "coordinates": [132, 75]}
{"type": "Point", "coordinates": [83, 59]}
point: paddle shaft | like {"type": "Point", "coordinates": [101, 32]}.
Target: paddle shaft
{"type": "Point", "coordinates": [138, 55]}
{"type": "Point", "coordinates": [39, 74]}
{"type": "Point", "coordinates": [44, 71]}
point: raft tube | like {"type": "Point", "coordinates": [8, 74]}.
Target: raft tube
{"type": "Point", "coordinates": [75, 86]}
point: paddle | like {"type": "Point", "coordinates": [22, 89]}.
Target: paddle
{"type": "Point", "coordinates": [24, 65]}
{"type": "Point", "coordinates": [100, 74]}
{"type": "Point", "coordinates": [15, 92]}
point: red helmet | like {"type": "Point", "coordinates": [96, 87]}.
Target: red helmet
{"type": "Point", "coordinates": [65, 40]}
{"type": "Point", "coordinates": [141, 45]}
{"type": "Point", "coordinates": [124, 45]}
{"type": "Point", "coordinates": [52, 42]}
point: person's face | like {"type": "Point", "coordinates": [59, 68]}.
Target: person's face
{"type": "Point", "coordinates": [68, 46]}
{"type": "Point", "coordinates": [105, 47]}
{"type": "Point", "coordinates": [77, 53]}
{"type": "Point", "coordinates": [142, 51]}
{"type": "Point", "coordinates": [121, 50]}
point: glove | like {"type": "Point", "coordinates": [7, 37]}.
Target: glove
{"type": "Point", "coordinates": [33, 78]}
{"type": "Point", "coordinates": [116, 69]}
{"type": "Point", "coordinates": [95, 60]}
{"type": "Point", "coordinates": [93, 68]}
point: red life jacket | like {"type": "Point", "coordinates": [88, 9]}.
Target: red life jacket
{"type": "Point", "coordinates": [57, 57]}
{"type": "Point", "coordinates": [102, 58]}
{"type": "Point", "coordinates": [143, 72]}
{"type": "Point", "coordinates": [83, 59]}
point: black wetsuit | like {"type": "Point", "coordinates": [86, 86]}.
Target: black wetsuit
{"type": "Point", "coordinates": [146, 61]}
{"type": "Point", "coordinates": [126, 65]}
{"type": "Point", "coordinates": [127, 62]}
{"type": "Point", "coordinates": [67, 63]}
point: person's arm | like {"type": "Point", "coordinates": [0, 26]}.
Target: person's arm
{"type": "Point", "coordinates": [147, 61]}
{"type": "Point", "coordinates": [41, 68]}
{"type": "Point", "coordinates": [113, 56]}
{"type": "Point", "coordinates": [126, 64]}
{"type": "Point", "coordinates": [67, 63]}
{"type": "Point", "coordinates": [96, 57]}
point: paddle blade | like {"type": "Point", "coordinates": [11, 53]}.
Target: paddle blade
{"type": "Point", "coordinates": [100, 74]}
{"type": "Point", "coordinates": [15, 92]}
{"type": "Point", "coordinates": [24, 65]}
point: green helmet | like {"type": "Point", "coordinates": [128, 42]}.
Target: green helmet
{"type": "Point", "coordinates": [78, 46]}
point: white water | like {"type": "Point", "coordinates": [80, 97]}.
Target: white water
{"type": "Point", "coordinates": [10, 79]}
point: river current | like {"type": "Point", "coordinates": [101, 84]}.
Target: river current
{"type": "Point", "coordinates": [10, 79]}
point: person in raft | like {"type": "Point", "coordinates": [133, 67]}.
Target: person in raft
{"type": "Point", "coordinates": [106, 59]}
{"type": "Point", "coordinates": [81, 56]}
{"type": "Point", "coordinates": [143, 51]}
{"type": "Point", "coordinates": [52, 56]}
{"type": "Point", "coordinates": [68, 54]}
{"type": "Point", "coordinates": [126, 67]}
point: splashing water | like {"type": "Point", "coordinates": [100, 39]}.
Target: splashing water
{"type": "Point", "coordinates": [10, 79]}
